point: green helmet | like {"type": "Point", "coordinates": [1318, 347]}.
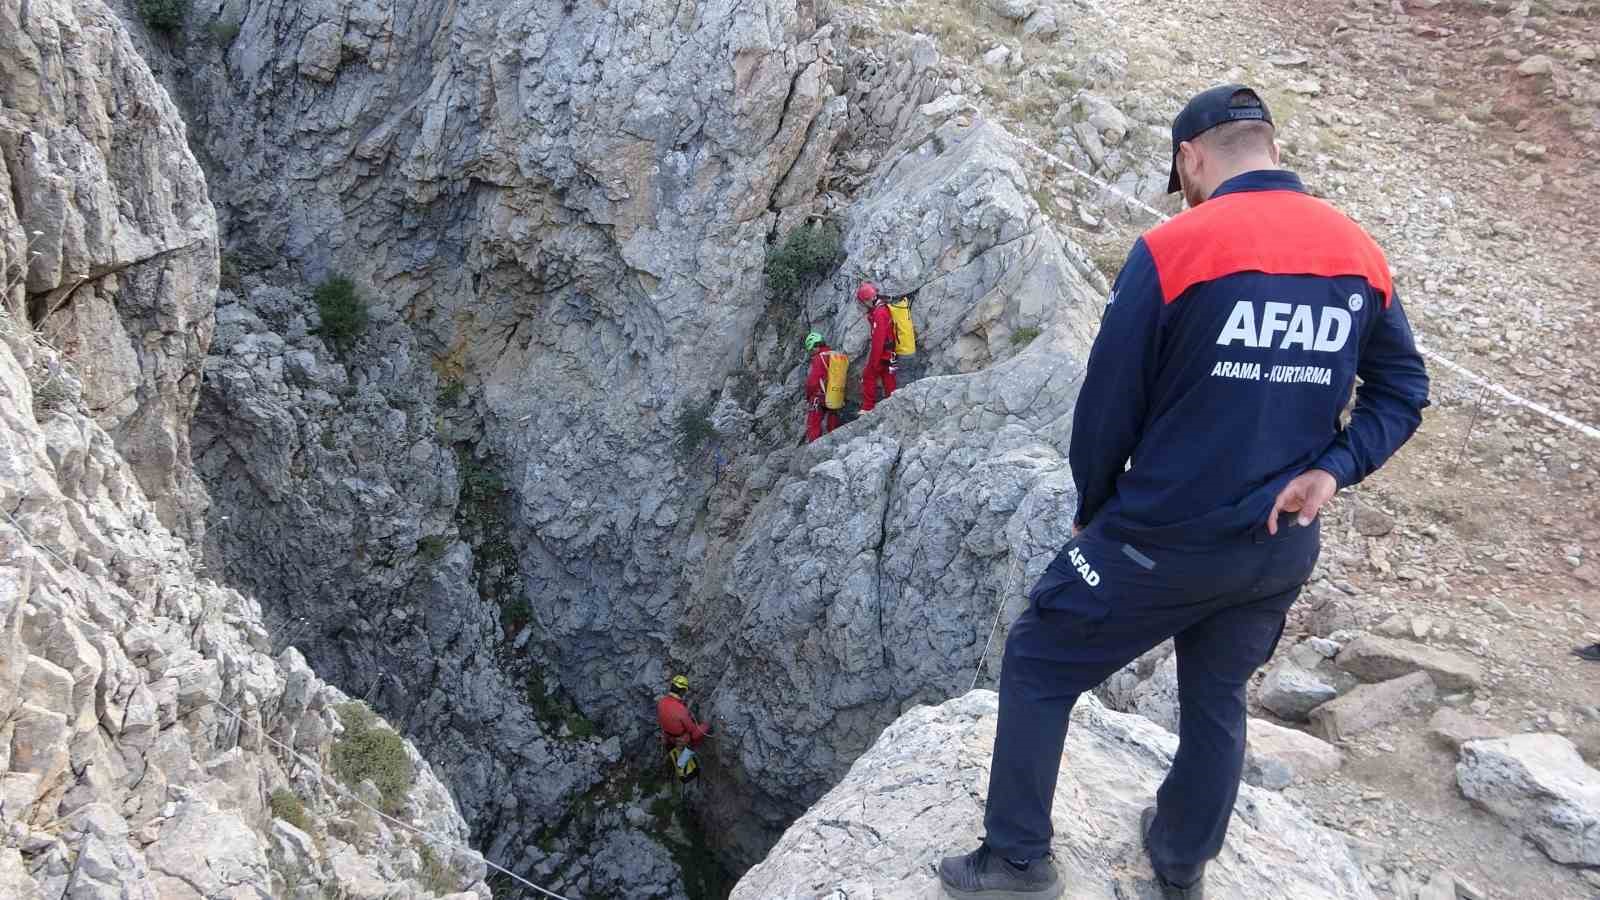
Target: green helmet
{"type": "Point", "coordinates": [680, 683]}
{"type": "Point", "coordinates": [812, 340]}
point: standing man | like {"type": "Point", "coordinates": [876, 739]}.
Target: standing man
{"type": "Point", "coordinates": [880, 347]}
{"type": "Point", "coordinates": [820, 420]}
{"type": "Point", "coordinates": [1205, 441]}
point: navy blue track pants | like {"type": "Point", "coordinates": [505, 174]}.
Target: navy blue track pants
{"type": "Point", "coordinates": [1101, 604]}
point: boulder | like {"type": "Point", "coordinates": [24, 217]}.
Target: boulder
{"type": "Point", "coordinates": [1015, 10]}
{"type": "Point", "coordinates": [1156, 698]}
{"type": "Point", "coordinates": [1042, 24]}
{"type": "Point", "coordinates": [14, 878]}
{"type": "Point", "coordinates": [1539, 786]}
{"type": "Point", "coordinates": [1538, 64]}
{"type": "Point", "coordinates": [1372, 658]}
{"type": "Point", "coordinates": [917, 795]}
{"type": "Point", "coordinates": [321, 50]}
{"type": "Point", "coordinates": [1373, 705]}
{"type": "Point", "coordinates": [1276, 757]}
{"type": "Point", "coordinates": [1291, 692]}
{"type": "Point", "coordinates": [1452, 728]}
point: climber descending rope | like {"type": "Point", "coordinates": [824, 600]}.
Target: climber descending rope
{"type": "Point", "coordinates": [680, 733]}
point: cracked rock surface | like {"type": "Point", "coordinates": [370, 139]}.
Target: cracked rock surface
{"type": "Point", "coordinates": [152, 742]}
{"type": "Point", "coordinates": [883, 829]}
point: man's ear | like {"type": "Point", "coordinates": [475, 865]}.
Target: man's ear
{"type": "Point", "coordinates": [1189, 160]}
{"type": "Point", "coordinates": [1273, 150]}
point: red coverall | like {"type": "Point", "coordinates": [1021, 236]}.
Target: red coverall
{"type": "Point", "coordinates": [818, 415]}
{"type": "Point", "coordinates": [880, 355]}
{"type": "Point", "coordinates": [678, 728]}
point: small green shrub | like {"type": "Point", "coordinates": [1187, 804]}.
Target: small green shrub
{"type": "Point", "coordinates": [287, 806]}
{"type": "Point", "coordinates": [330, 441]}
{"type": "Point", "coordinates": [692, 428]}
{"type": "Point", "coordinates": [515, 614]}
{"type": "Point", "coordinates": [228, 277]}
{"type": "Point", "coordinates": [807, 253]}
{"type": "Point", "coordinates": [1109, 261]}
{"type": "Point", "coordinates": [224, 33]}
{"type": "Point", "coordinates": [1024, 336]}
{"type": "Point", "coordinates": [343, 312]}
{"type": "Point", "coordinates": [451, 393]}
{"type": "Point", "coordinates": [432, 547]}
{"type": "Point", "coordinates": [480, 485]}
{"type": "Point", "coordinates": [582, 729]}
{"type": "Point", "coordinates": [50, 393]}
{"type": "Point", "coordinates": [164, 15]}
{"type": "Point", "coordinates": [436, 875]}
{"type": "Point", "coordinates": [370, 751]}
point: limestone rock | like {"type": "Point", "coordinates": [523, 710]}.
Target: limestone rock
{"type": "Point", "coordinates": [134, 690]}
{"type": "Point", "coordinates": [1372, 705]}
{"type": "Point", "coordinates": [1292, 692]}
{"type": "Point", "coordinates": [1372, 658]}
{"type": "Point", "coordinates": [834, 620]}
{"type": "Point", "coordinates": [917, 795]}
{"type": "Point", "coordinates": [1277, 757]}
{"type": "Point", "coordinates": [1538, 64]}
{"type": "Point", "coordinates": [1156, 698]}
{"type": "Point", "coordinates": [124, 231]}
{"type": "Point", "coordinates": [1042, 25]}
{"type": "Point", "coordinates": [320, 51]}
{"type": "Point", "coordinates": [1453, 728]}
{"type": "Point", "coordinates": [1373, 522]}
{"type": "Point", "coordinates": [14, 878]}
{"type": "Point", "coordinates": [1539, 785]}
{"type": "Point", "coordinates": [1015, 10]}
{"type": "Point", "coordinates": [578, 178]}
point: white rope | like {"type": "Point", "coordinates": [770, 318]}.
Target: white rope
{"type": "Point", "coordinates": [1504, 392]}
{"type": "Point", "coordinates": [29, 538]}
{"type": "Point", "coordinates": [1541, 409]}
{"type": "Point", "coordinates": [999, 610]}
{"type": "Point", "coordinates": [317, 767]}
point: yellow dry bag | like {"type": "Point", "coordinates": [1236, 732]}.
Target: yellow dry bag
{"type": "Point", "coordinates": [838, 372]}
{"type": "Point", "coordinates": [905, 336]}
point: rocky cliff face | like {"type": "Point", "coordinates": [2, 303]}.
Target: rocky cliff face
{"type": "Point", "coordinates": [477, 514]}
{"type": "Point", "coordinates": [152, 744]}
{"type": "Point", "coordinates": [558, 213]}
{"type": "Point", "coordinates": [917, 795]}
{"type": "Point", "coordinates": [868, 576]}
{"type": "Point", "coordinates": [120, 242]}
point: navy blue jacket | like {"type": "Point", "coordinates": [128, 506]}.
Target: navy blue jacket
{"type": "Point", "coordinates": [1228, 350]}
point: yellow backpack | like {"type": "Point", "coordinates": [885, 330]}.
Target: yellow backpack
{"type": "Point", "coordinates": [838, 373]}
{"type": "Point", "coordinates": [905, 335]}
{"type": "Point", "coordinates": [684, 763]}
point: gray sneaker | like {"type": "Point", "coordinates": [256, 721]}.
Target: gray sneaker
{"type": "Point", "coordinates": [983, 875]}
{"type": "Point", "coordinates": [1169, 891]}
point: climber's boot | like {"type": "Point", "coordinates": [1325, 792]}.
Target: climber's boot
{"type": "Point", "coordinates": [985, 875]}
{"type": "Point", "coordinates": [1194, 890]}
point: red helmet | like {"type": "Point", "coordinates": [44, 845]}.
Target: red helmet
{"type": "Point", "coordinates": [866, 293]}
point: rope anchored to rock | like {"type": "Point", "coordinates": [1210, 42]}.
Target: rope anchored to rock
{"type": "Point", "coordinates": [999, 610]}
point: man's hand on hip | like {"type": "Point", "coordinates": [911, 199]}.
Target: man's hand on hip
{"type": "Point", "coordinates": [1304, 495]}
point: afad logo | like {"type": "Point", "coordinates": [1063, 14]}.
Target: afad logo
{"type": "Point", "coordinates": [1085, 571]}
{"type": "Point", "coordinates": [1289, 325]}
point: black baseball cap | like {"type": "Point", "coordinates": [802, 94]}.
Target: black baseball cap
{"type": "Point", "coordinates": [1210, 108]}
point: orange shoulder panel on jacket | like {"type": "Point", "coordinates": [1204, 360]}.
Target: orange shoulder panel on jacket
{"type": "Point", "coordinates": [1275, 232]}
